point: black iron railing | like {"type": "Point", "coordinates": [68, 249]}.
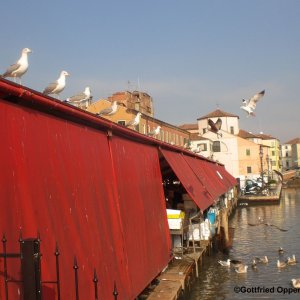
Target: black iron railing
{"type": "Point", "coordinates": [30, 262]}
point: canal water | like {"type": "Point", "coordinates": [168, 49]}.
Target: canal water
{"type": "Point", "coordinates": [267, 281]}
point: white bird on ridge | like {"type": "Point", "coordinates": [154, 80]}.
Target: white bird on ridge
{"type": "Point", "coordinates": [18, 69]}
{"type": "Point", "coordinates": [155, 132]}
{"type": "Point", "coordinates": [109, 110]}
{"type": "Point", "coordinates": [57, 86]}
{"type": "Point", "coordinates": [81, 97]}
{"type": "Point", "coordinates": [250, 104]}
{"type": "Point", "coordinates": [135, 121]}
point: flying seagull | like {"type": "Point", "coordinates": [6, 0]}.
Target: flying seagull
{"type": "Point", "coordinates": [57, 86]}
{"type": "Point", "coordinates": [18, 69]}
{"type": "Point", "coordinates": [215, 126]}
{"type": "Point", "coordinates": [109, 110]}
{"type": "Point", "coordinates": [134, 122]}
{"type": "Point", "coordinates": [250, 104]}
{"type": "Point", "coordinates": [155, 132]}
{"type": "Point", "coordinates": [81, 97]}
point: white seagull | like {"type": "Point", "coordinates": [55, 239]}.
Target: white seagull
{"type": "Point", "coordinates": [296, 283]}
{"type": "Point", "coordinates": [225, 263]}
{"type": "Point", "coordinates": [57, 86]}
{"type": "Point", "coordinates": [18, 69]}
{"type": "Point", "coordinates": [135, 121]}
{"type": "Point", "coordinates": [281, 264]}
{"type": "Point", "coordinates": [81, 97]}
{"type": "Point", "coordinates": [250, 104]}
{"type": "Point", "coordinates": [291, 261]}
{"type": "Point", "coordinates": [109, 110]}
{"type": "Point", "coordinates": [263, 260]}
{"type": "Point", "coordinates": [155, 132]}
{"type": "Point", "coordinates": [241, 269]}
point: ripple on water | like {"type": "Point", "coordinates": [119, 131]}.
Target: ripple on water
{"type": "Point", "coordinates": [217, 282]}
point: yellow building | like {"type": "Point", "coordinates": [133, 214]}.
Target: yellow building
{"type": "Point", "coordinates": [168, 133]}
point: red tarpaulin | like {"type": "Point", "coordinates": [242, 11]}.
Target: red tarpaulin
{"type": "Point", "coordinates": [199, 167]}
{"type": "Point", "coordinates": [57, 177]}
{"type": "Point", "coordinates": [142, 210]}
{"type": "Point", "coordinates": [195, 188]}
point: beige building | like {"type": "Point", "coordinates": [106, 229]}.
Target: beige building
{"type": "Point", "coordinates": [244, 155]}
{"type": "Point", "coordinates": [290, 152]}
{"type": "Point", "coordinates": [168, 133]}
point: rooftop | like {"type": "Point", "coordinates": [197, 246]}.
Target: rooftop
{"type": "Point", "coordinates": [218, 113]}
{"type": "Point", "coordinates": [294, 141]}
{"type": "Point", "coordinates": [190, 126]}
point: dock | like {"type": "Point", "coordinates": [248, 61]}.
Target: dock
{"type": "Point", "coordinates": [179, 276]}
{"type": "Point", "coordinates": [273, 197]}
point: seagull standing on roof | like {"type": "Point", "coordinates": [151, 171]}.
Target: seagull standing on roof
{"type": "Point", "coordinates": [81, 97]}
{"type": "Point", "coordinates": [135, 121]}
{"type": "Point", "coordinates": [155, 132]}
{"type": "Point", "coordinates": [18, 69]}
{"type": "Point", "coordinates": [57, 86]}
{"type": "Point", "coordinates": [109, 110]}
{"type": "Point", "coordinates": [250, 104]}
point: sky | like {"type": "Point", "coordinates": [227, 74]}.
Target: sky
{"type": "Point", "coordinates": [191, 56]}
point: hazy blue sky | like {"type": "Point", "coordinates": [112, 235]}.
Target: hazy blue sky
{"type": "Point", "coordinates": [190, 56]}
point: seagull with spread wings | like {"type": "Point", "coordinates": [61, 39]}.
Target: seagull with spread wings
{"type": "Point", "coordinates": [215, 126]}
{"type": "Point", "coordinates": [250, 104]}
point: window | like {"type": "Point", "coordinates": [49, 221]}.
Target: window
{"type": "Point", "coordinates": [216, 146]}
{"type": "Point", "coordinates": [231, 129]}
{"type": "Point", "coordinates": [273, 153]}
{"type": "Point", "coordinates": [287, 164]}
{"type": "Point", "coordinates": [122, 122]}
{"type": "Point", "coordinates": [248, 152]}
{"type": "Point", "coordinates": [202, 147]}
{"type": "Point", "coordinates": [273, 163]}
{"type": "Point", "coordinates": [204, 130]}
{"type": "Point", "coordinates": [286, 154]}
{"type": "Point", "coordinates": [167, 136]}
{"type": "Point", "coordinates": [249, 170]}
{"type": "Point", "coordinates": [162, 135]}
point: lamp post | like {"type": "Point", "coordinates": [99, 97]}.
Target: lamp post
{"type": "Point", "coordinates": [261, 164]}
{"type": "Point", "coordinates": [267, 159]}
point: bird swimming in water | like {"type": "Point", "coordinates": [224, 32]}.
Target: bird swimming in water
{"type": "Point", "coordinates": [296, 283]}
{"type": "Point", "coordinates": [225, 263]}
{"type": "Point", "coordinates": [291, 260]}
{"type": "Point", "coordinates": [263, 260]}
{"type": "Point", "coordinates": [241, 269]}
{"type": "Point", "coordinates": [281, 264]}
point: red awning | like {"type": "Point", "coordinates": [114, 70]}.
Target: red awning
{"type": "Point", "coordinates": [203, 171]}
{"type": "Point", "coordinates": [229, 179]}
{"type": "Point", "coordinates": [189, 179]}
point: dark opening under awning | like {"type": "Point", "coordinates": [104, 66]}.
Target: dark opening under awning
{"type": "Point", "coordinates": [204, 181]}
{"type": "Point", "coordinates": [194, 187]}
